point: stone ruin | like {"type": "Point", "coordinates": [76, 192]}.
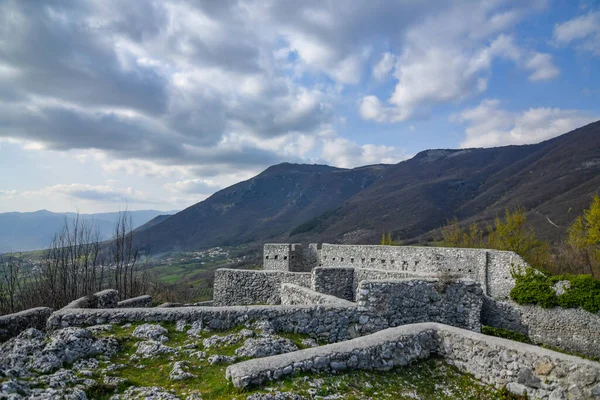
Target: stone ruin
{"type": "Point", "coordinates": [378, 307]}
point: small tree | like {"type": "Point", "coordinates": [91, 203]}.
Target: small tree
{"type": "Point", "coordinates": [584, 234]}
{"type": "Point", "coordinates": [10, 284]}
{"type": "Point", "coordinates": [512, 234]}
{"type": "Point", "coordinates": [454, 236]}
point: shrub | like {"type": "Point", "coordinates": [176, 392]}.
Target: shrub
{"type": "Point", "coordinates": [534, 287]}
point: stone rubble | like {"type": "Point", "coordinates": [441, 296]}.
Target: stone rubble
{"type": "Point", "coordinates": [150, 332]}
{"type": "Point", "coordinates": [265, 347]}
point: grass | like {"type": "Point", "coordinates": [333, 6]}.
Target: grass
{"type": "Point", "coordinates": [506, 334]}
{"type": "Point", "coordinates": [429, 379]}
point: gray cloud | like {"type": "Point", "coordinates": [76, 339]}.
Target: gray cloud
{"type": "Point", "coordinates": [209, 85]}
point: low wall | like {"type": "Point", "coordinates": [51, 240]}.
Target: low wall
{"type": "Point", "coordinates": [338, 282]}
{"type": "Point", "coordinates": [329, 323]}
{"type": "Point", "coordinates": [13, 324]}
{"type": "Point", "coordinates": [140, 301]}
{"type": "Point", "coordinates": [542, 373]}
{"type": "Point", "coordinates": [243, 287]}
{"type": "Point", "coordinates": [104, 299]}
{"type": "Point", "coordinates": [408, 301]}
{"type": "Point", "coordinates": [569, 329]}
{"type": "Point", "coordinates": [294, 295]}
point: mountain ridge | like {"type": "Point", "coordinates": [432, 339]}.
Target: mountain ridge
{"type": "Point", "coordinates": [411, 199]}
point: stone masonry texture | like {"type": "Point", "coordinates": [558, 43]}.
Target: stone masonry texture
{"type": "Point", "coordinates": [522, 368]}
{"type": "Point", "coordinates": [13, 324]}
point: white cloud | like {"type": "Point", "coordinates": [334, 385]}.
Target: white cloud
{"type": "Point", "coordinates": [384, 66]}
{"type": "Point", "coordinates": [584, 31]}
{"type": "Point", "coordinates": [448, 57]}
{"type": "Point", "coordinates": [347, 154]}
{"type": "Point", "coordinates": [487, 125]}
{"type": "Point", "coordinates": [542, 66]}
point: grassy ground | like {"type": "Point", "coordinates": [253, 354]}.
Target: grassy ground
{"type": "Point", "coordinates": [430, 379]}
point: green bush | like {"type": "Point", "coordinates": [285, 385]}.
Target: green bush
{"type": "Point", "coordinates": [533, 287]}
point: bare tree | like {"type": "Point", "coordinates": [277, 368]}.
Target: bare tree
{"type": "Point", "coordinates": [10, 284]}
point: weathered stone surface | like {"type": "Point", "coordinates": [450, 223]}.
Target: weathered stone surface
{"type": "Point", "coordinates": [338, 282]}
{"type": "Point", "coordinates": [107, 298]}
{"type": "Point", "coordinates": [150, 332]}
{"type": "Point", "coordinates": [266, 346]}
{"type": "Point", "coordinates": [32, 350]}
{"type": "Point", "coordinates": [13, 324]}
{"type": "Point", "coordinates": [294, 294]}
{"type": "Point", "coordinates": [145, 393]}
{"type": "Point", "coordinates": [180, 371]}
{"type": "Point", "coordinates": [140, 301]}
{"type": "Point", "coordinates": [241, 287]}
{"type": "Point", "coordinates": [406, 301]}
{"type": "Point", "coordinates": [221, 359]}
{"type": "Point", "coordinates": [152, 348]}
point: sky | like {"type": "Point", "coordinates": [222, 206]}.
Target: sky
{"type": "Point", "coordinates": [106, 104]}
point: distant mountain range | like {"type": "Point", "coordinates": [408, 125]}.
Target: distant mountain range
{"type": "Point", "coordinates": [553, 180]}
{"type": "Point", "coordinates": [35, 230]}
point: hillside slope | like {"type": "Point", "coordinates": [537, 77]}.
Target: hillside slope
{"type": "Point", "coordinates": [260, 209]}
{"type": "Point", "coordinates": [553, 180]}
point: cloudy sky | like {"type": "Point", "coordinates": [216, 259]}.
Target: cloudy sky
{"type": "Point", "coordinates": [158, 104]}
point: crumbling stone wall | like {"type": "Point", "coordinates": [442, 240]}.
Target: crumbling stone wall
{"type": "Point", "coordinates": [294, 295]}
{"type": "Point", "coordinates": [338, 282]}
{"type": "Point", "coordinates": [241, 287]}
{"type": "Point", "coordinates": [330, 322]}
{"type": "Point", "coordinates": [140, 301]}
{"type": "Point", "coordinates": [522, 368]}
{"type": "Point", "coordinates": [13, 324]}
{"type": "Point", "coordinates": [408, 301]}
{"type": "Point", "coordinates": [502, 314]}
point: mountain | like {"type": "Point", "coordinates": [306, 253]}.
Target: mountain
{"type": "Point", "coordinates": [553, 180]}
{"type": "Point", "coordinates": [35, 230]}
{"type": "Point", "coordinates": [261, 208]}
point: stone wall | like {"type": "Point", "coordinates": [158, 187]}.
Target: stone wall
{"type": "Point", "coordinates": [409, 301]}
{"type": "Point", "coordinates": [542, 373]}
{"type": "Point", "coordinates": [571, 329]}
{"type": "Point", "coordinates": [361, 274]}
{"type": "Point", "coordinates": [293, 257]}
{"type": "Point", "coordinates": [491, 268]}
{"type": "Point", "coordinates": [140, 301]}
{"type": "Point", "coordinates": [295, 295]}
{"type": "Point", "coordinates": [501, 314]}
{"type": "Point", "coordinates": [338, 282]}
{"type": "Point", "coordinates": [276, 256]}
{"type": "Point", "coordinates": [241, 287]}
{"type": "Point", "coordinates": [13, 324]}
{"type": "Point", "coordinates": [329, 323]}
